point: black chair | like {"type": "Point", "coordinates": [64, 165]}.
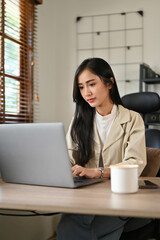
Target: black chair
{"type": "Point", "coordinates": [142, 102]}
{"type": "Point", "coordinates": [145, 103]}
{"type": "Point", "coordinates": [152, 138]}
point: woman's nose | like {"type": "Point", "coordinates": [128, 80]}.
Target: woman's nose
{"type": "Point", "coordinates": [87, 92]}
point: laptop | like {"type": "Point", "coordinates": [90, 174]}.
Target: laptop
{"type": "Point", "coordinates": [37, 154]}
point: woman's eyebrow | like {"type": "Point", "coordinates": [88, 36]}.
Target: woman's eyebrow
{"type": "Point", "coordinates": [90, 80]}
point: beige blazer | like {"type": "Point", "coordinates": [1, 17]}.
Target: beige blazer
{"type": "Point", "coordinates": [125, 143]}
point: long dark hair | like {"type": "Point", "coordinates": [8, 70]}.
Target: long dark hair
{"type": "Point", "coordinates": [82, 126]}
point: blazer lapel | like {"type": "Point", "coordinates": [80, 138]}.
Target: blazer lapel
{"type": "Point", "coordinates": [96, 135]}
{"type": "Point", "coordinates": [117, 131]}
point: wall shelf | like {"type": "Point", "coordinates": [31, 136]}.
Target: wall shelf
{"type": "Point", "coordinates": [147, 77]}
{"type": "Point", "coordinates": [117, 38]}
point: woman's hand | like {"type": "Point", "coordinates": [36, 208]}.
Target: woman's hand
{"type": "Point", "coordinates": [85, 172]}
{"type": "Point", "coordinates": [78, 170]}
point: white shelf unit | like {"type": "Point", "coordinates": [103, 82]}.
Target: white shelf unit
{"type": "Point", "coordinates": [117, 38]}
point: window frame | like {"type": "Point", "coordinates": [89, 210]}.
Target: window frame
{"type": "Point", "coordinates": [26, 63]}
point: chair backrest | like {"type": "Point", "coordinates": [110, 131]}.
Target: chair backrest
{"type": "Point", "coordinates": [152, 138]}
{"type": "Point", "coordinates": [142, 102]}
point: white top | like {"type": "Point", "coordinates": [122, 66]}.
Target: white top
{"type": "Point", "coordinates": [104, 123]}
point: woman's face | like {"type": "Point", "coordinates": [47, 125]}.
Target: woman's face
{"type": "Point", "coordinates": [94, 91]}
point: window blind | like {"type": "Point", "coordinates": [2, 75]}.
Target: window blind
{"type": "Point", "coordinates": [17, 32]}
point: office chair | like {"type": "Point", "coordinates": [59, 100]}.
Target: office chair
{"type": "Point", "coordinates": [152, 138]}
{"type": "Point", "coordinates": [144, 103]}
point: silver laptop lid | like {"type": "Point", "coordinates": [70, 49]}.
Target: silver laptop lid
{"type": "Point", "coordinates": [35, 153]}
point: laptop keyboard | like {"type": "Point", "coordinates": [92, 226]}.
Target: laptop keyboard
{"type": "Point", "coordinates": [79, 179]}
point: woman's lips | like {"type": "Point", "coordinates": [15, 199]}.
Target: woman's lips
{"type": "Point", "coordinates": [90, 100]}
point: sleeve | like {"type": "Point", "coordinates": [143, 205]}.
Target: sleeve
{"type": "Point", "coordinates": [135, 149]}
{"type": "Point", "coordinates": [72, 148]}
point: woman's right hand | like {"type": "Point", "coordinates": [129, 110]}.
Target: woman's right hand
{"type": "Point", "coordinates": [78, 170]}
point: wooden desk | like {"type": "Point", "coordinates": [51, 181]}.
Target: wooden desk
{"type": "Point", "coordinates": [93, 199]}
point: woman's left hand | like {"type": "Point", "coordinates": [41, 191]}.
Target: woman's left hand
{"type": "Point", "coordinates": [78, 170]}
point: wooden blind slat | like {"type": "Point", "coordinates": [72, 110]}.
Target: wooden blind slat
{"type": "Point", "coordinates": [16, 53]}
{"type": "Point", "coordinates": [38, 1]}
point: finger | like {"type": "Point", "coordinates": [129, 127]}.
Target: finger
{"type": "Point", "coordinates": [74, 171]}
{"type": "Point", "coordinates": [82, 174]}
{"type": "Point", "coordinates": [77, 171]}
{"type": "Point", "coordinates": [74, 167]}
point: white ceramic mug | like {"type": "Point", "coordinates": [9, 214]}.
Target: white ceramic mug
{"type": "Point", "coordinates": [124, 178]}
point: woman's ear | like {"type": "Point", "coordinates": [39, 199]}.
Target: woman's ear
{"type": "Point", "coordinates": [111, 82]}
{"type": "Point", "coordinates": [112, 79]}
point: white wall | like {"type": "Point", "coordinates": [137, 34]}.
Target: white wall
{"type": "Point", "coordinates": [57, 64]}
{"type": "Point", "coordinates": [57, 47]}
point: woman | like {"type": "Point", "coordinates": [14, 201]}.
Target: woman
{"type": "Point", "coordinates": [101, 133]}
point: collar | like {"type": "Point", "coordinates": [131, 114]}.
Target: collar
{"type": "Point", "coordinates": [123, 116]}
{"type": "Point", "coordinates": [108, 116]}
